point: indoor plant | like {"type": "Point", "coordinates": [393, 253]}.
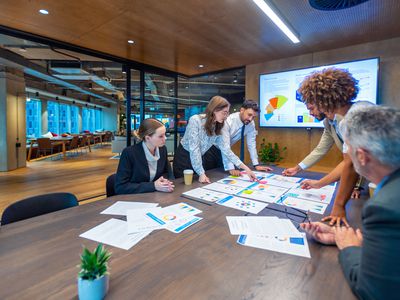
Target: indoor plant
{"type": "Point", "coordinates": [269, 153]}
{"type": "Point", "coordinates": [93, 276]}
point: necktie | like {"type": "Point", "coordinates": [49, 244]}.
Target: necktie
{"type": "Point", "coordinates": [335, 125]}
{"type": "Point", "coordinates": [242, 144]}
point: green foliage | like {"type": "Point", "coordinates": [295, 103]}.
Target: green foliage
{"type": "Point", "coordinates": [270, 153]}
{"type": "Point", "coordinates": [94, 264]}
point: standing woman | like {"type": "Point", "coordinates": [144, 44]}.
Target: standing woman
{"type": "Point", "coordinates": [197, 151]}
{"type": "Point", "coordinates": [142, 167]}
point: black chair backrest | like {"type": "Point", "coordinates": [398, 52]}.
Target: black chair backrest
{"type": "Point", "coordinates": [37, 205]}
{"type": "Point", "coordinates": [110, 185]}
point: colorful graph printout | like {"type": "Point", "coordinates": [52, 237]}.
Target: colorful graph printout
{"type": "Point", "coordinates": [257, 195]}
{"type": "Point", "coordinates": [318, 208]}
{"type": "Point", "coordinates": [223, 188]}
{"type": "Point", "coordinates": [204, 194]}
{"type": "Point", "coordinates": [247, 205]}
{"type": "Point", "coordinates": [235, 182]}
{"type": "Point", "coordinates": [284, 244]}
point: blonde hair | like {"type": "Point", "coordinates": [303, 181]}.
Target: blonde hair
{"type": "Point", "coordinates": [147, 128]}
{"type": "Point", "coordinates": [217, 103]}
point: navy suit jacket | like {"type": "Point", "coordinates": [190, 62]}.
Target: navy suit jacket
{"type": "Point", "coordinates": [373, 270]}
{"type": "Point", "coordinates": [133, 175]}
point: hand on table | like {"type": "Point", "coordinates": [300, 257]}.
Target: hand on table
{"type": "Point", "coordinates": [347, 237]}
{"type": "Point", "coordinates": [234, 172]}
{"type": "Point", "coordinates": [263, 168]}
{"type": "Point", "coordinates": [356, 194]}
{"type": "Point", "coordinates": [291, 171]}
{"type": "Point", "coordinates": [164, 185]}
{"type": "Point", "coordinates": [321, 232]}
{"type": "Point", "coordinates": [204, 179]}
{"type": "Point", "coordinates": [337, 216]}
{"type": "Point", "coordinates": [310, 184]}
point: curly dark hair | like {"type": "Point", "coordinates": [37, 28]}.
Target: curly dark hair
{"type": "Point", "coordinates": [329, 89]}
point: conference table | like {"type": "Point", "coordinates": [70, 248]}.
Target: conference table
{"type": "Point", "coordinates": [39, 257]}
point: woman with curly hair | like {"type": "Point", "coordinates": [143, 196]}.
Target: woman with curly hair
{"type": "Point", "coordinates": [197, 149]}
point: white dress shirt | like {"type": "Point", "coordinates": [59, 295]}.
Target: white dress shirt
{"type": "Point", "coordinates": [231, 133]}
{"type": "Point", "coordinates": [151, 160]}
{"type": "Point", "coordinates": [197, 142]}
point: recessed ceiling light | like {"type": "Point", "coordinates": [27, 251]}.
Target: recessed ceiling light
{"type": "Point", "coordinates": [131, 41]}
{"type": "Point", "coordinates": [44, 12]}
{"type": "Point", "coordinates": [22, 49]}
{"type": "Point", "coordinates": [201, 66]}
{"type": "Point", "coordinates": [277, 20]}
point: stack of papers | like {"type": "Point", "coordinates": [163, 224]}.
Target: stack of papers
{"type": "Point", "coordinates": [142, 219]}
{"type": "Point", "coordinates": [270, 233]}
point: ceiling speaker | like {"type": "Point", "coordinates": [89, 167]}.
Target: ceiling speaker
{"type": "Point", "coordinates": [334, 4]}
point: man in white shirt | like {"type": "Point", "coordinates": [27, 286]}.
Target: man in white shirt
{"type": "Point", "coordinates": [237, 126]}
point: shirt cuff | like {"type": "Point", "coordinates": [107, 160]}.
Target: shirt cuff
{"type": "Point", "coordinates": [302, 166]}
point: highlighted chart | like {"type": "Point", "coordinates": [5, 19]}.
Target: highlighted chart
{"type": "Point", "coordinates": [274, 103]}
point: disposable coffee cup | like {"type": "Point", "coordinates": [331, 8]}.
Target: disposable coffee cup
{"type": "Point", "coordinates": [371, 187]}
{"type": "Point", "coordinates": [188, 176]}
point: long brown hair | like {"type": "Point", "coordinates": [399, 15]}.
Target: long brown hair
{"type": "Point", "coordinates": [217, 103]}
{"type": "Point", "coordinates": [147, 128]}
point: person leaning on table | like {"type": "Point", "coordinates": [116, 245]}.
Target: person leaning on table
{"type": "Point", "coordinates": [197, 149]}
{"type": "Point", "coordinates": [370, 257]}
{"type": "Point", "coordinates": [142, 167]}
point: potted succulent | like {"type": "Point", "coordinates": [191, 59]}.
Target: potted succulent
{"type": "Point", "coordinates": [93, 277]}
{"type": "Point", "coordinates": [270, 154]}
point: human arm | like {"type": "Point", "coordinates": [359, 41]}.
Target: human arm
{"type": "Point", "coordinates": [347, 182]}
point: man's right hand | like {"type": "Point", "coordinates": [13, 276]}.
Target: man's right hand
{"type": "Point", "coordinates": [321, 232]}
{"type": "Point", "coordinates": [234, 172]}
{"type": "Point", "coordinates": [291, 171]}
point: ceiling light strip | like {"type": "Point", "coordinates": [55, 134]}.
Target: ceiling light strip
{"type": "Point", "coordinates": [278, 21]}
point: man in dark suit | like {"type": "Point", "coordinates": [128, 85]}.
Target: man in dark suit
{"type": "Point", "coordinates": [370, 257]}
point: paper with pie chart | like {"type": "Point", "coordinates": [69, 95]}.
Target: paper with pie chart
{"type": "Point", "coordinates": [235, 182]}
{"type": "Point", "coordinates": [176, 217]}
{"type": "Point", "coordinates": [240, 203]}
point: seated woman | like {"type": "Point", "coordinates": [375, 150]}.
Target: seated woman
{"type": "Point", "coordinates": [197, 149]}
{"type": "Point", "coordinates": [142, 167]}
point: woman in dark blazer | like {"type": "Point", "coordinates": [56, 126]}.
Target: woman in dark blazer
{"type": "Point", "coordinates": [142, 167]}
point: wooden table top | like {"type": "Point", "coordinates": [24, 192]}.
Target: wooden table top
{"type": "Point", "coordinates": [39, 258]}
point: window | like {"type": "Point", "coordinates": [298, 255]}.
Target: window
{"type": "Point", "coordinates": [53, 117]}
{"type": "Point", "coordinates": [65, 118]}
{"type": "Point", "coordinates": [33, 118]}
{"type": "Point", "coordinates": [74, 119]}
{"type": "Point", "coordinates": [92, 119]}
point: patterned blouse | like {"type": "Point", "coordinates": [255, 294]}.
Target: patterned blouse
{"type": "Point", "coordinates": [197, 142]}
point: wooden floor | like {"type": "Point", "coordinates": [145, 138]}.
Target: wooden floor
{"type": "Point", "coordinates": [83, 175]}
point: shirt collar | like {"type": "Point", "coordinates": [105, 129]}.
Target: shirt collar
{"type": "Point", "coordinates": [149, 156]}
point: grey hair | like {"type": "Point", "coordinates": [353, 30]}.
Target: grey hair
{"type": "Point", "coordinates": [375, 129]}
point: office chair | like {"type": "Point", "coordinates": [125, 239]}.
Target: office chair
{"type": "Point", "coordinates": [36, 206]}
{"type": "Point", "coordinates": [110, 185]}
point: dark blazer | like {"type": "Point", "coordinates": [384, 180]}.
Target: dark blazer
{"type": "Point", "coordinates": [133, 175]}
{"type": "Point", "coordinates": [373, 270]}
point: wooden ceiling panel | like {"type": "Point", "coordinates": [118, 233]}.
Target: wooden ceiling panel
{"type": "Point", "coordinates": [180, 35]}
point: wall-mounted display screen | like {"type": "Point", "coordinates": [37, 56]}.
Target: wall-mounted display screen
{"type": "Point", "coordinates": [280, 104]}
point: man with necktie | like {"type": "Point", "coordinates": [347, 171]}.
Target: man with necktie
{"type": "Point", "coordinates": [237, 126]}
